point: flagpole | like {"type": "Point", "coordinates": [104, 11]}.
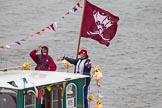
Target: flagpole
{"type": "Point", "coordinates": [80, 33]}
{"type": "Point", "coordinates": [80, 30]}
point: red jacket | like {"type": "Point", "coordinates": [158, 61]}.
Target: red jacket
{"type": "Point", "coordinates": [51, 66]}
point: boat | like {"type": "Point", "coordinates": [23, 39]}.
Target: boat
{"type": "Point", "coordinates": [46, 89]}
{"type": "Point", "coordinates": [41, 89]}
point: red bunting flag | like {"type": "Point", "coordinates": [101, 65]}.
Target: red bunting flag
{"type": "Point", "coordinates": [38, 33]}
{"type": "Point", "coordinates": [1, 46]}
{"type": "Point", "coordinates": [39, 94]}
{"type": "Point", "coordinates": [98, 24]}
{"type": "Point", "coordinates": [67, 13]}
{"type": "Point", "coordinates": [78, 4]}
{"type": "Point", "coordinates": [52, 27]}
{"type": "Point", "coordinates": [43, 29]}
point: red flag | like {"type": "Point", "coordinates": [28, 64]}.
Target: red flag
{"type": "Point", "coordinates": [39, 93]}
{"type": "Point", "coordinates": [98, 24]}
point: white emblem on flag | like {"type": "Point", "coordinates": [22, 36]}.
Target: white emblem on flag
{"type": "Point", "coordinates": [102, 22]}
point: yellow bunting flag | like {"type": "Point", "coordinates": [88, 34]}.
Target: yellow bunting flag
{"type": "Point", "coordinates": [49, 88]}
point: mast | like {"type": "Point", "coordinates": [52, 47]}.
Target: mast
{"type": "Point", "coordinates": [80, 33]}
{"type": "Point", "coordinates": [80, 30]}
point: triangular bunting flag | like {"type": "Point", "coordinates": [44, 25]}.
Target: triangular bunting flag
{"type": "Point", "coordinates": [52, 26]}
{"type": "Point", "coordinates": [13, 83]}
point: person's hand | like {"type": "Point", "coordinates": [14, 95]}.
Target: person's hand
{"type": "Point", "coordinates": [61, 58]}
{"type": "Point", "coordinates": [39, 48]}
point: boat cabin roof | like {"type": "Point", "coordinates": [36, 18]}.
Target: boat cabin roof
{"type": "Point", "coordinates": [31, 78]}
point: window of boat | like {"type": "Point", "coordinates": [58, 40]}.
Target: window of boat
{"type": "Point", "coordinates": [56, 97]}
{"type": "Point", "coordinates": [8, 98]}
{"type": "Point", "coordinates": [30, 99]}
{"type": "Point", "coordinates": [71, 96]}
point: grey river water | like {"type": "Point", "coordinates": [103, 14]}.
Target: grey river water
{"type": "Point", "coordinates": [131, 65]}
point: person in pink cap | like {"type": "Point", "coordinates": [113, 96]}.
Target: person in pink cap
{"type": "Point", "coordinates": [83, 66]}
{"type": "Point", "coordinates": [43, 60]}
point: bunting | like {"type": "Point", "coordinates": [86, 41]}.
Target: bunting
{"type": "Point", "coordinates": [13, 83]}
{"type": "Point", "coordinates": [51, 27]}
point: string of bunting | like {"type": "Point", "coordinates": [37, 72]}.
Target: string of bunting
{"type": "Point", "coordinates": [52, 27]}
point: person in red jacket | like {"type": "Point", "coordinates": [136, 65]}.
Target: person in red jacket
{"type": "Point", "coordinates": [43, 60]}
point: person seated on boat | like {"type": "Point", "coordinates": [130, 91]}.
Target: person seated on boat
{"type": "Point", "coordinates": [43, 60]}
{"type": "Point", "coordinates": [83, 66]}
